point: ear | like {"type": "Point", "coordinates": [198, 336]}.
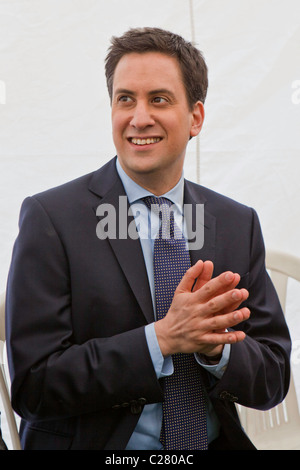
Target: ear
{"type": "Point", "coordinates": [197, 118]}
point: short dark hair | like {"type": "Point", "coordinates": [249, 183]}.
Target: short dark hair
{"type": "Point", "coordinates": [141, 40]}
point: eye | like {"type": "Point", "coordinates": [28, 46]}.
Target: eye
{"type": "Point", "coordinates": [124, 99]}
{"type": "Point", "coordinates": [159, 99]}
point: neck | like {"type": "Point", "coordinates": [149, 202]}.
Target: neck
{"type": "Point", "coordinates": [156, 186]}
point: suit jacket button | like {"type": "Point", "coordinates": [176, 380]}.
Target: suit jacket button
{"type": "Point", "coordinates": [116, 407]}
{"type": "Point", "coordinates": [228, 396]}
{"type": "Point", "coordinates": [135, 407]}
{"type": "Point", "coordinates": [142, 401]}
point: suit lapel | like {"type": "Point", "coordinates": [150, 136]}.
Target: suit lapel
{"type": "Point", "coordinates": [192, 197]}
{"type": "Point", "coordinates": [108, 186]}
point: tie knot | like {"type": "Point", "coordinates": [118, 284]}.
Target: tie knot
{"type": "Point", "coordinates": [158, 204]}
{"type": "Point", "coordinates": [164, 209]}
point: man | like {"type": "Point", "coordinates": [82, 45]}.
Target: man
{"type": "Point", "coordinates": [89, 363]}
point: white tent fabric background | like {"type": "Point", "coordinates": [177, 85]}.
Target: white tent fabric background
{"type": "Point", "coordinates": [55, 112]}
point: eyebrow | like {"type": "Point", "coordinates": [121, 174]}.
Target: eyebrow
{"type": "Point", "coordinates": [124, 91]}
{"type": "Point", "coordinates": [159, 91]}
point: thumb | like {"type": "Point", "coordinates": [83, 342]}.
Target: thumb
{"type": "Point", "coordinates": [205, 275]}
{"type": "Point", "coordinates": [188, 280]}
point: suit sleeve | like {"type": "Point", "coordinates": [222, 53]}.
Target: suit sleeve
{"type": "Point", "coordinates": [258, 372]}
{"type": "Point", "coordinates": [51, 375]}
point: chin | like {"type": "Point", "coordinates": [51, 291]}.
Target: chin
{"type": "Point", "coordinates": [142, 164]}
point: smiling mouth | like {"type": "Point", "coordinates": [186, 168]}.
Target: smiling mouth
{"type": "Point", "coordinates": [146, 141]}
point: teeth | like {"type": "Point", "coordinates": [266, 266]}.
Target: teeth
{"type": "Point", "coordinates": [148, 141]}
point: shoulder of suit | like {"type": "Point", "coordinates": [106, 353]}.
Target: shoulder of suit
{"type": "Point", "coordinates": [215, 201]}
{"type": "Point", "coordinates": [77, 187]}
{"type": "Point", "coordinates": [211, 196]}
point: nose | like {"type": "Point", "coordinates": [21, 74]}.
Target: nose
{"type": "Point", "coordinates": [141, 117]}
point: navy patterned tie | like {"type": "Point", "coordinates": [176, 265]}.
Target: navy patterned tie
{"type": "Point", "coordinates": [184, 412]}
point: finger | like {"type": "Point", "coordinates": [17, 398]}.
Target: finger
{"type": "Point", "coordinates": [217, 286]}
{"type": "Point", "coordinates": [188, 280]}
{"type": "Point", "coordinates": [219, 323]}
{"type": "Point", "coordinates": [224, 303]}
{"type": "Point", "coordinates": [205, 275]}
{"type": "Point", "coordinates": [230, 337]}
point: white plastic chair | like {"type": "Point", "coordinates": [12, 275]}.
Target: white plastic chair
{"type": "Point", "coordinates": [278, 428]}
{"type": "Point", "coordinates": [4, 389]}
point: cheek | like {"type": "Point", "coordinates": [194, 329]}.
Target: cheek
{"type": "Point", "coordinates": [117, 127]}
{"type": "Point", "coordinates": [179, 135]}
{"type": "Point", "coordinates": [117, 119]}
{"type": "Point", "coordinates": [179, 125]}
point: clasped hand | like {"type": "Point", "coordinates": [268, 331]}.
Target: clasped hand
{"type": "Point", "coordinates": [202, 310]}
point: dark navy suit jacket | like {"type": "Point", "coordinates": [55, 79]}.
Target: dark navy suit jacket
{"type": "Point", "coordinates": [77, 306]}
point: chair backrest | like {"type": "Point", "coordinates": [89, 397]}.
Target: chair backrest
{"type": "Point", "coordinates": [268, 427]}
{"type": "Point", "coordinates": [4, 388]}
{"type": "Point", "coordinates": [282, 266]}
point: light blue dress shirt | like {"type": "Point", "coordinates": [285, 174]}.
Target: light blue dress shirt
{"type": "Point", "coordinates": [147, 432]}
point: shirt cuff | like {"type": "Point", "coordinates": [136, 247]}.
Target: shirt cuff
{"type": "Point", "coordinates": [217, 369]}
{"type": "Point", "coordinates": [163, 366]}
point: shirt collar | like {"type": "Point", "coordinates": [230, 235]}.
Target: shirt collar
{"type": "Point", "coordinates": [135, 192]}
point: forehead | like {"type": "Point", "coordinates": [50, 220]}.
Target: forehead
{"type": "Point", "coordinates": [151, 69]}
